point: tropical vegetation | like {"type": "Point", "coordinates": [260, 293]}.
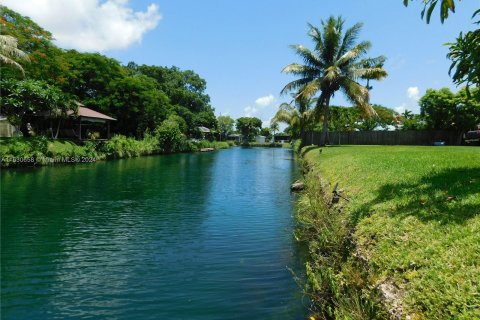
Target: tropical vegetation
{"type": "Point", "coordinates": [336, 63]}
{"type": "Point", "coordinates": [9, 51]}
{"type": "Point", "coordinates": [141, 97]}
{"type": "Point", "coordinates": [249, 127]}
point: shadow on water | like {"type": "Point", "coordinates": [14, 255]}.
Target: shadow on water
{"type": "Point", "coordinates": [73, 232]}
{"type": "Point", "coordinates": [435, 197]}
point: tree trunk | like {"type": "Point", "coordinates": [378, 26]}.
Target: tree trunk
{"type": "Point", "coordinates": [302, 131]}
{"type": "Point", "coordinates": [51, 126]}
{"type": "Point", "coordinates": [324, 137]}
{"type": "Point", "coordinates": [58, 128]}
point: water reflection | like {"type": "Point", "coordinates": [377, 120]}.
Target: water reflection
{"type": "Point", "coordinates": [198, 236]}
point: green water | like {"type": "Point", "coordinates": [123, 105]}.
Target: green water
{"type": "Point", "coordinates": [190, 236]}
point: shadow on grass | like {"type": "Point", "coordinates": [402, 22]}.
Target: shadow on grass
{"type": "Point", "coordinates": [307, 149]}
{"type": "Point", "coordinates": [436, 197]}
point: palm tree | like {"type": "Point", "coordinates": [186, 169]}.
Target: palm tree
{"type": "Point", "coordinates": [288, 114]}
{"type": "Point", "coordinates": [336, 63]}
{"type": "Point", "coordinates": [274, 128]}
{"type": "Point", "coordinates": [407, 114]}
{"type": "Point", "coordinates": [297, 114]}
{"type": "Point", "coordinates": [9, 51]}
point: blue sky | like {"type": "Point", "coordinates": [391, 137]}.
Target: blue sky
{"type": "Point", "coordinates": [240, 47]}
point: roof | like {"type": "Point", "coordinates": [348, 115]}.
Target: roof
{"type": "Point", "coordinates": [89, 113]}
{"type": "Point", "coordinates": [204, 129]}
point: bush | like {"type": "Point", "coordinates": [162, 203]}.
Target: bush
{"type": "Point", "coordinates": [126, 147]}
{"type": "Point", "coordinates": [170, 137]}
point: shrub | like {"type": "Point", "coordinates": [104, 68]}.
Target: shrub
{"type": "Point", "coordinates": [126, 147]}
{"type": "Point", "coordinates": [170, 137]}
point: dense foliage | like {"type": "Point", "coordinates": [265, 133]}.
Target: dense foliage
{"type": "Point", "coordinates": [249, 127]}
{"type": "Point", "coordinates": [141, 98]}
{"type": "Point", "coordinates": [465, 56]}
{"type": "Point", "coordinates": [225, 126]}
{"type": "Point", "coordinates": [442, 109]}
{"type": "Point", "coordinates": [26, 100]}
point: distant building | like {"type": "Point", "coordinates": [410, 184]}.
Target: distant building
{"type": "Point", "coordinates": [260, 139]}
{"type": "Point", "coordinates": [203, 130]}
{"type": "Point", "coordinates": [280, 137]}
{"type": "Point", "coordinates": [235, 137]}
{"type": "Point", "coordinates": [83, 124]}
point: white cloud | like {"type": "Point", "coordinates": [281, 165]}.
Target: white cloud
{"type": "Point", "coordinates": [89, 25]}
{"type": "Point", "coordinates": [402, 108]}
{"type": "Point", "coordinates": [250, 111]}
{"type": "Point", "coordinates": [265, 101]}
{"type": "Point", "coordinates": [266, 123]}
{"type": "Point", "coordinates": [413, 93]}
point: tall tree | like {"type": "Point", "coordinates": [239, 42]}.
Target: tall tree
{"type": "Point", "coordinates": [445, 110]}
{"type": "Point", "coordinates": [46, 60]}
{"type": "Point", "coordinates": [249, 127]}
{"type": "Point", "coordinates": [27, 99]}
{"type": "Point", "coordinates": [296, 115]}
{"type": "Point", "coordinates": [274, 128]}
{"type": "Point", "coordinates": [225, 125]}
{"type": "Point", "coordinates": [336, 63]}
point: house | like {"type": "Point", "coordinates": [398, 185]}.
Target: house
{"type": "Point", "coordinates": [235, 137]}
{"type": "Point", "coordinates": [204, 132]}
{"type": "Point", "coordinates": [281, 137]}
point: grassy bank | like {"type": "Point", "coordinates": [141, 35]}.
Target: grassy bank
{"type": "Point", "coordinates": [17, 152]}
{"type": "Point", "coordinates": [409, 236]}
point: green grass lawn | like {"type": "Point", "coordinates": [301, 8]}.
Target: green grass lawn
{"type": "Point", "coordinates": [416, 212]}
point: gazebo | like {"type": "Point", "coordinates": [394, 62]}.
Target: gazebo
{"type": "Point", "coordinates": [85, 117]}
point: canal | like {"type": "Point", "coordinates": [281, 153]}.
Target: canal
{"type": "Point", "coordinates": [186, 236]}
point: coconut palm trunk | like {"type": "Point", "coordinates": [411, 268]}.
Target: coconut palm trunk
{"type": "Point", "coordinates": [326, 111]}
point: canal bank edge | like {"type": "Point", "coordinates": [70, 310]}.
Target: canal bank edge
{"type": "Point", "coordinates": [338, 281]}
{"type": "Point", "coordinates": [40, 151]}
{"type": "Point", "coordinates": [406, 240]}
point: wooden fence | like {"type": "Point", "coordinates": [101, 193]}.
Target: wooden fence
{"type": "Point", "coordinates": [387, 137]}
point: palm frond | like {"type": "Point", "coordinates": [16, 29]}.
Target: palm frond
{"type": "Point", "coordinates": [300, 70]}
{"type": "Point", "coordinates": [309, 57]}
{"type": "Point", "coordinates": [349, 39]}
{"type": "Point", "coordinates": [331, 39]}
{"type": "Point", "coordinates": [367, 73]}
{"type": "Point", "coordinates": [358, 95]}
{"type": "Point", "coordinates": [354, 54]}
{"type": "Point", "coordinates": [9, 51]}
{"type": "Point", "coordinates": [310, 89]}
{"type": "Point", "coordinates": [296, 84]}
